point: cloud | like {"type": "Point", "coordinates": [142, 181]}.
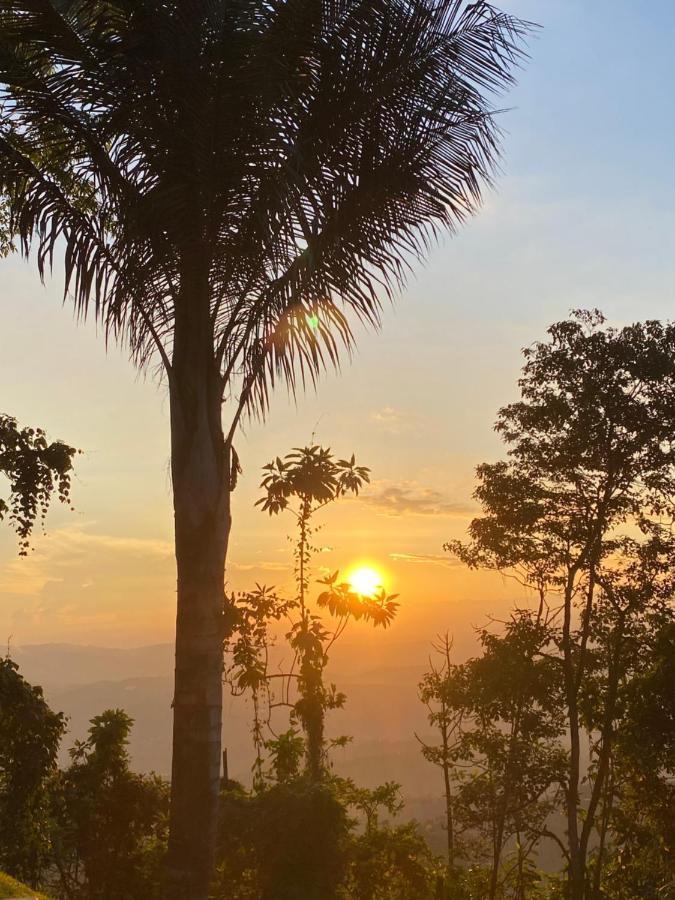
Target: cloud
{"type": "Point", "coordinates": [77, 539]}
{"type": "Point", "coordinates": [59, 553]}
{"type": "Point", "coordinates": [428, 558]}
{"type": "Point", "coordinates": [390, 419]}
{"type": "Point", "coordinates": [400, 498]}
{"type": "Point", "coordinates": [78, 582]}
{"type": "Point", "coordinates": [262, 565]}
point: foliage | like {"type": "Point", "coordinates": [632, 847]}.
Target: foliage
{"type": "Point", "coordinates": [110, 824]}
{"type": "Point", "coordinates": [312, 477]}
{"type": "Point", "coordinates": [304, 482]}
{"type": "Point", "coordinates": [390, 863]}
{"type": "Point", "coordinates": [299, 839]}
{"type": "Point", "coordinates": [589, 450]}
{"type": "Point", "coordinates": [370, 803]}
{"type": "Point", "coordinates": [6, 246]}
{"type": "Point", "coordinates": [648, 730]}
{"type": "Point", "coordinates": [344, 603]}
{"type": "Point", "coordinates": [285, 842]}
{"type": "Point", "coordinates": [36, 470]}
{"type": "Point", "coordinates": [30, 734]}
{"type": "Point", "coordinates": [499, 720]}
{"type": "Point", "coordinates": [286, 752]}
{"type": "Point", "coordinates": [383, 860]}
{"type": "Point", "coordinates": [579, 513]}
{"type": "Point", "coordinates": [11, 889]}
{"type": "Point", "coordinates": [95, 830]}
{"type": "Point", "coordinates": [641, 858]}
{"type": "Point", "coordinates": [309, 146]}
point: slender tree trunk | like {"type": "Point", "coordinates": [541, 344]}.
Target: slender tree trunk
{"type": "Point", "coordinates": [498, 844]}
{"type": "Point", "coordinates": [449, 823]}
{"type": "Point", "coordinates": [200, 469]}
{"type": "Point", "coordinates": [312, 711]}
{"type": "Point", "coordinates": [521, 870]}
{"type": "Point", "coordinates": [574, 674]}
{"type": "Point", "coordinates": [494, 875]}
{"type": "Point", "coordinates": [313, 719]}
{"type": "Point", "coordinates": [576, 866]}
{"type": "Point", "coordinates": [604, 828]}
{"type": "Point", "coordinates": [602, 778]}
{"type": "Point", "coordinates": [504, 803]}
{"type": "Point", "coordinates": [576, 873]}
{"type": "Point", "coordinates": [447, 781]}
{"type": "Point", "coordinates": [496, 831]}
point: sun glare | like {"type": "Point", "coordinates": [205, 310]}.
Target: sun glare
{"type": "Point", "coordinates": [365, 580]}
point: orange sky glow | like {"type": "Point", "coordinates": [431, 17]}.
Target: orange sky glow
{"type": "Point", "coordinates": [572, 223]}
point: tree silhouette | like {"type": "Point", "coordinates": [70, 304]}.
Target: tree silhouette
{"type": "Point", "coordinates": [30, 733]}
{"type": "Point", "coordinates": [580, 512]}
{"type": "Point", "coordinates": [228, 184]}
{"type": "Point", "coordinates": [36, 470]}
{"type": "Point", "coordinates": [446, 720]}
{"type": "Point", "coordinates": [302, 484]}
{"type": "Point", "coordinates": [108, 829]}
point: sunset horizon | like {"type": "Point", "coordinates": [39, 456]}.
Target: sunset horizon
{"type": "Point", "coordinates": [337, 483]}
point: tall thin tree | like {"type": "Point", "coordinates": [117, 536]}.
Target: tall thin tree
{"type": "Point", "coordinates": [228, 184]}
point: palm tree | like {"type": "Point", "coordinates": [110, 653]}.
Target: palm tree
{"type": "Point", "coordinates": [229, 184]}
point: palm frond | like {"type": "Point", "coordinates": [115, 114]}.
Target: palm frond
{"type": "Point", "coordinates": [305, 152]}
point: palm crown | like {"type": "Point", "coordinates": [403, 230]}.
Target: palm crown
{"type": "Point", "coordinates": [301, 152]}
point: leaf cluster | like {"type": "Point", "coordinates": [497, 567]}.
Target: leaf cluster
{"type": "Point", "coordinates": [109, 824]}
{"type": "Point", "coordinates": [589, 451]}
{"type": "Point", "coordinates": [343, 602]}
{"type": "Point", "coordinates": [37, 469]}
{"type": "Point", "coordinates": [311, 475]}
{"type": "Point", "coordinates": [30, 734]}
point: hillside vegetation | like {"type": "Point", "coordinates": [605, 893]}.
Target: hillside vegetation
{"type": "Point", "coordinates": [11, 888]}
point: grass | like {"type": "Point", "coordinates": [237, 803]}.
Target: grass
{"type": "Point", "coordinates": [11, 888]}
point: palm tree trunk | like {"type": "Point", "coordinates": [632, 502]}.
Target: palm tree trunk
{"type": "Point", "coordinates": [200, 466]}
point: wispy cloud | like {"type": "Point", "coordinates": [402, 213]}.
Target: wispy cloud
{"type": "Point", "coordinates": [428, 558]}
{"type": "Point", "coordinates": [78, 539]}
{"type": "Point", "coordinates": [400, 498]}
{"type": "Point", "coordinates": [390, 419]}
{"type": "Point", "coordinates": [59, 552]}
{"type": "Point", "coordinates": [267, 566]}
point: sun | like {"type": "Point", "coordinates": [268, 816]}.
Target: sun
{"type": "Point", "coordinates": [365, 580]}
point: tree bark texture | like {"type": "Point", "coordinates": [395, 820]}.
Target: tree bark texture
{"type": "Point", "coordinates": [200, 467]}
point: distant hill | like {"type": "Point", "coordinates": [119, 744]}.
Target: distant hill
{"type": "Point", "coordinates": [66, 665]}
{"type": "Point", "coordinates": [382, 714]}
{"type": "Point", "coordinates": [382, 711]}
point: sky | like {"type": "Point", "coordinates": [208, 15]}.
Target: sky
{"type": "Point", "coordinates": [581, 216]}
